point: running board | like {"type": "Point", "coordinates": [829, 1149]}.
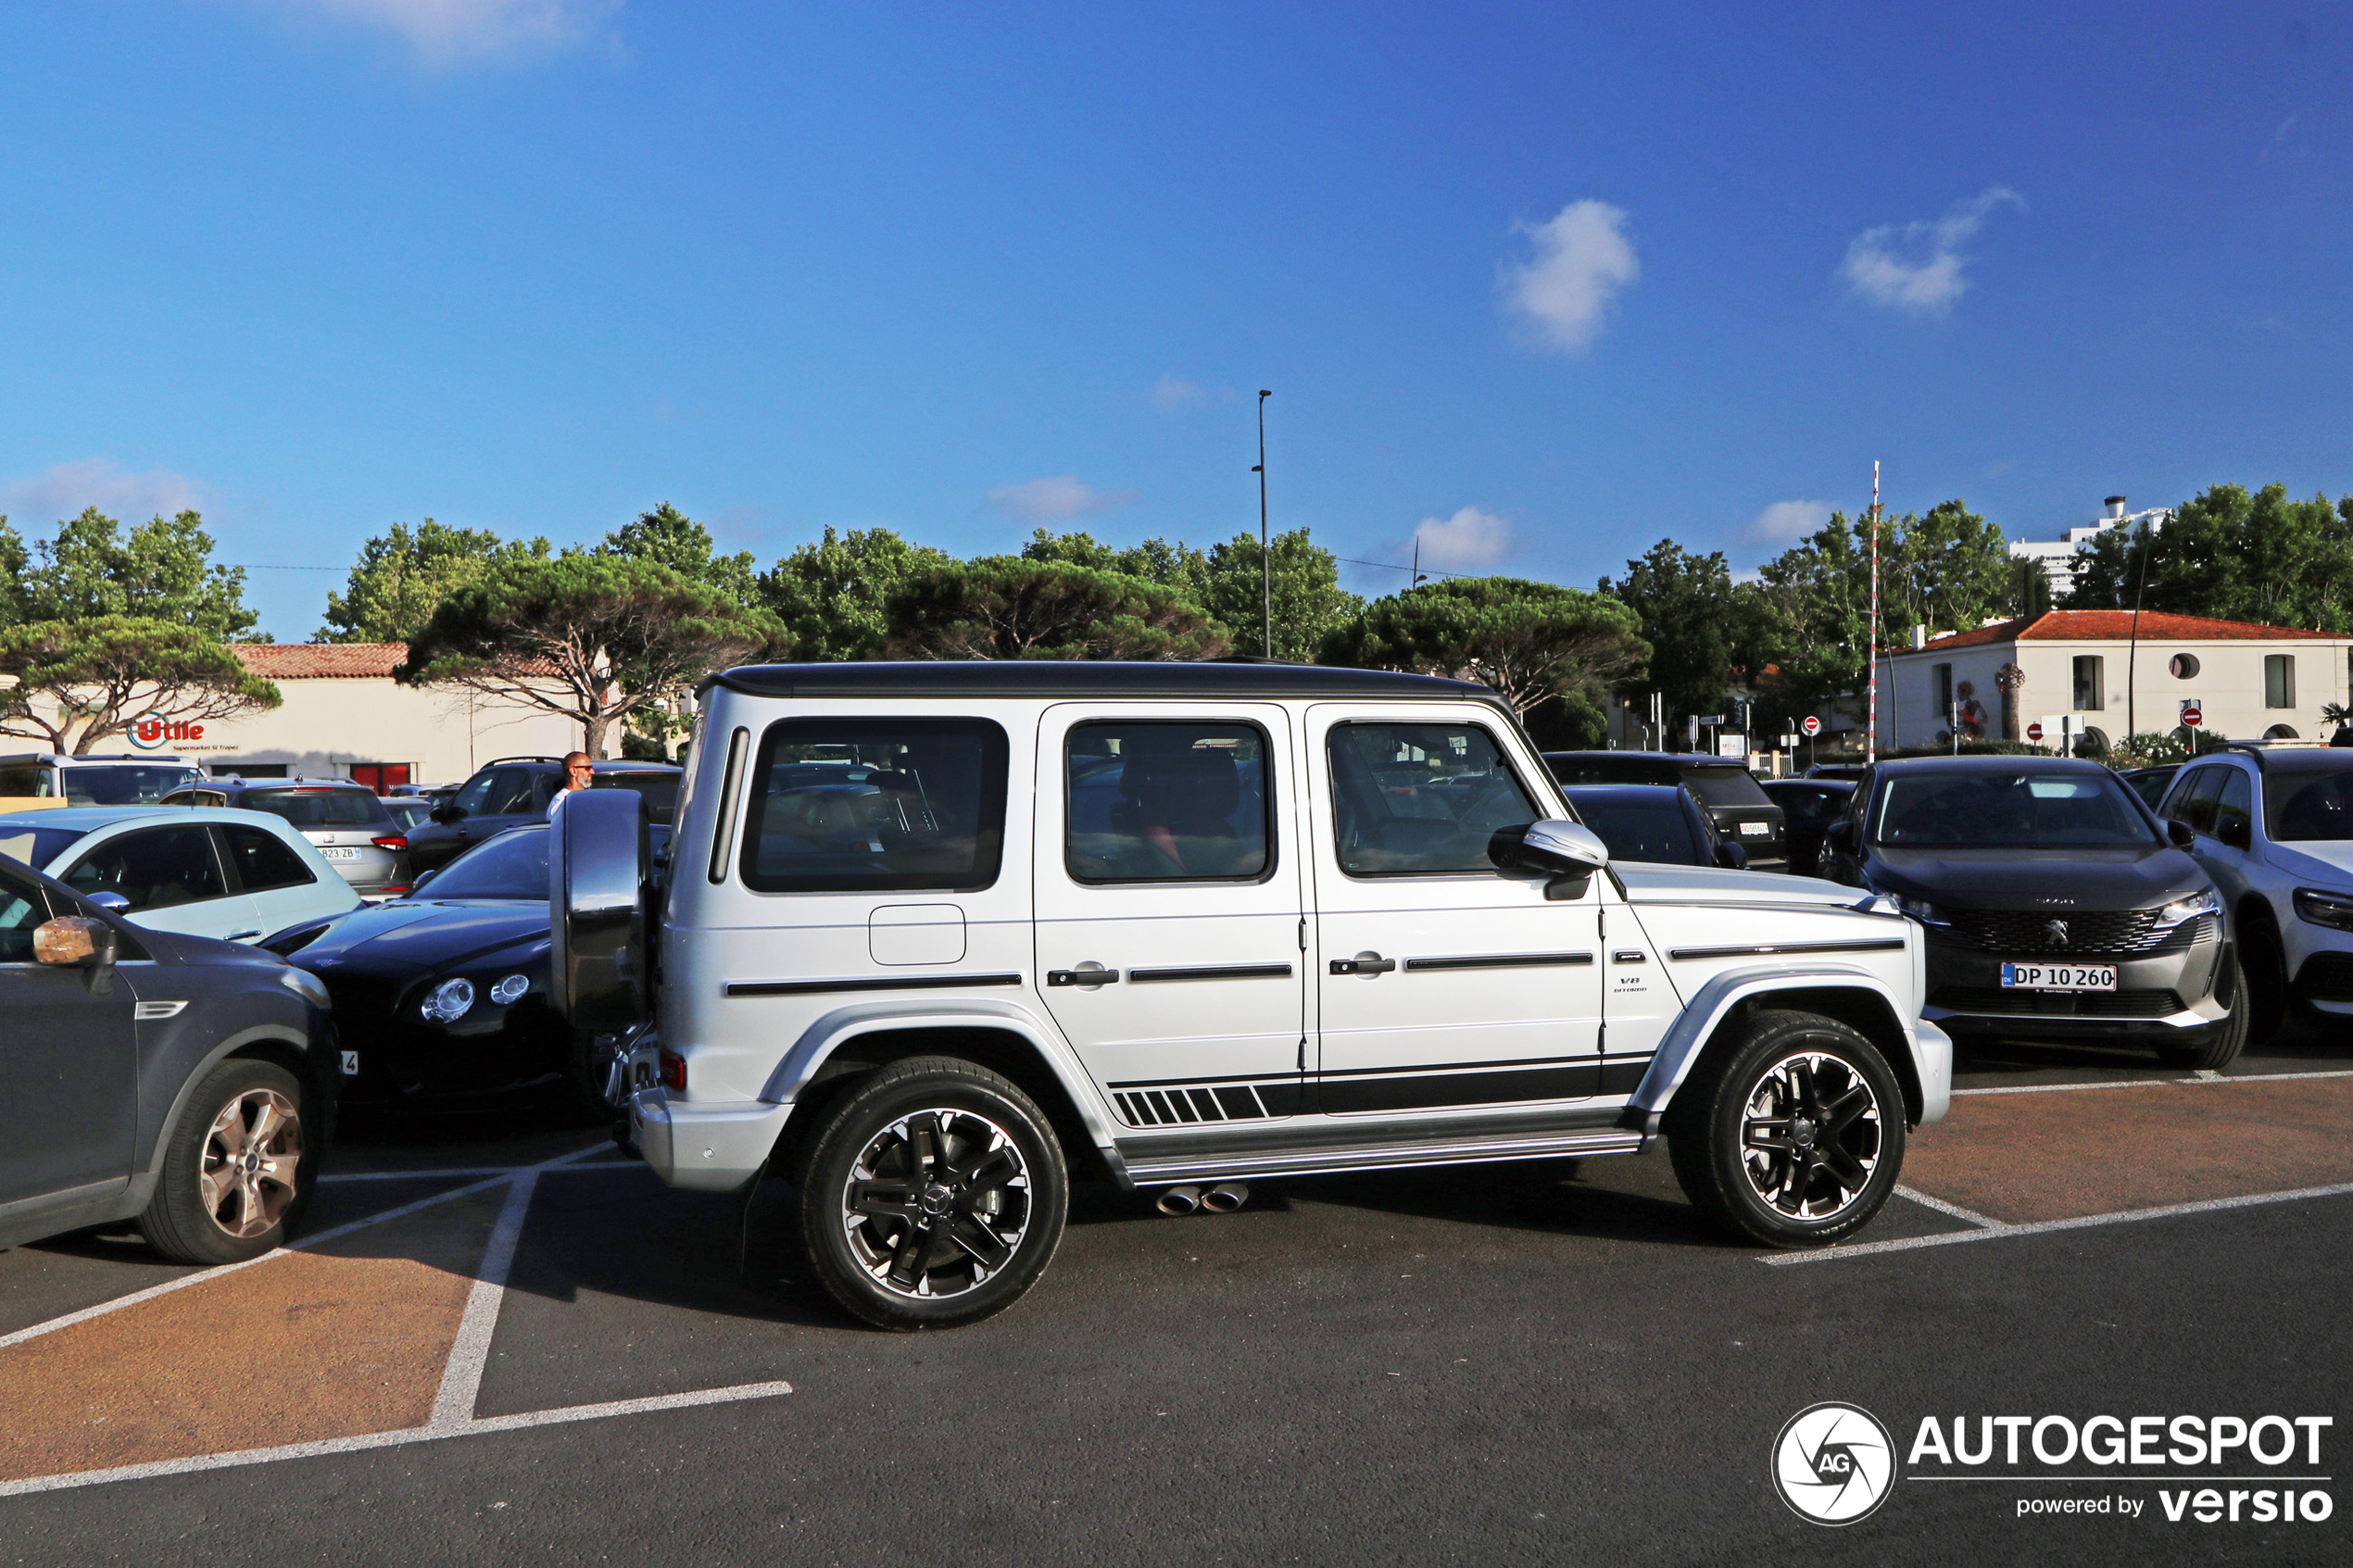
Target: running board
{"type": "Point", "coordinates": [1331, 1160]}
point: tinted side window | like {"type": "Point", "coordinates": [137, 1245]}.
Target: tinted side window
{"type": "Point", "coordinates": [154, 869]}
{"type": "Point", "coordinates": [1167, 802]}
{"type": "Point", "coordinates": [512, 795]}
{"type": "Point", "coordinates": [1414, 799]}
{"type": "Point", "coordinates": [22, 907]}
{"type": "Point", "coordinates": [319, 808]}
{"type": "Point", "coordinates": [264, 861]}
{"type": "Point", "coordinates": [2234, 804]}
{"type": "Point", "coordinates": [472, 799]}
{"type": "Point", "coordinates": [1726, 786]}
{"type": "Point", "coordinates": [2193, 798]}
{"type": "Point", "coordinates": [875, 805]}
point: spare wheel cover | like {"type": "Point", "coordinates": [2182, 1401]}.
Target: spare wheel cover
{"type": "Point", "coordinates": [597, 900]}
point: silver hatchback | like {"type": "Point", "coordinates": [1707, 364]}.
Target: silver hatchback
{"type": "Point", "coordinates": [347, 822]}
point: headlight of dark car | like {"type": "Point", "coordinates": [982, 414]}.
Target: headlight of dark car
{"type": "Point", "coordinates": [2331, 910]}
{"type": "Point", "coordinates": [448, 1001]}
{"type": "Point", "coordinates": [2190, 906]}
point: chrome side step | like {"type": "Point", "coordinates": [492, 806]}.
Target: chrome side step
{"type": "Point", "coordinates": [1331, 1160]}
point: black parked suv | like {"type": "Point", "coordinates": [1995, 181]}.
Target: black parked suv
{"type": "Point", "coordinates": [515, 791]}
{"type": "Point", "coordinates": [2056, 905]}
{"type": "Point", "coordinates": [1744, 814]}
{"type": "Point", "coordinates": [186, 1083]}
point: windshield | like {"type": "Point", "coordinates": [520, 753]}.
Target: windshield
{"type": "Point", "coordinates": [35, 846]}
{"type": "Point", "coordinates": [513, 865]}
{"type": "Point", "coordinates": [2310, 808]}
{"type": "Point", "coordinates": [1726, 786]}
{"type": "Point", "coordinates": [108, 784]}
{"type": "Point", "coordinates": [1655, 830]}
{"type": "Point", "coordinates": [2012, 810]}
{"type": "Point", "coordinates": [319, 808]}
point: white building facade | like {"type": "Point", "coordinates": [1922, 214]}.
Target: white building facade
{"type": "Point", "coordinates": [2085, 671]}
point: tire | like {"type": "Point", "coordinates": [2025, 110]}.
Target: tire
{"type": "Point", "coordinates": [2221, 1045]}
{"type": "Point", "coordinates": [2263, 972]}
{"type": "Point", "coordinates": [960, 1247]}
{"type": "Point", "coordinates": [1747, 1151]}
{"type": "Point", "coordinates": [226, 1194]}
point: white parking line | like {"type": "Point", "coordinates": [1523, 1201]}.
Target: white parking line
{"type": "Point", "coordinates": [434, 1432]}
{"type": "Point", "coordinates": [2157, 1083]}
{"type": "Point", "coordinates": [1995, 1231]}
{"type": "Point", "coordinates": [1928, 1201]}
{"type": "Point", "coordinates": [450, 1173]}
{"type": "Point", "coordinates": [470, 1351]}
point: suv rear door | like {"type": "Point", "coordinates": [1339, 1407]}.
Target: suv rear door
{"type": "Point", "coordinates": [1441, 982]}
{"type": "Point", "coordinates": [171, 877]}
{"type": "Point", "coordinates": [1169, 906]}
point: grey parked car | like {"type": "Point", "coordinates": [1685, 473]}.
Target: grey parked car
{"type": "Point", "coordinates": [347, 822]}
{"type": "Point", "coordinates": [187, 1084]}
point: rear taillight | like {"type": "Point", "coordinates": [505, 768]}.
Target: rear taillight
{"type": "Point", "coordinates": [673, 1071]}
{"type": "Point", "coordinates": [394, 842]}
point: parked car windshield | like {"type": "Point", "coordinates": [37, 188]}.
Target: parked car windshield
{"type": "Point", "coordinates": [1649, 825]}
{"type": "Point", "coordinates": [513, 865]}
{"type": "Point", "coordinates": [2007, 810]}
{"type": "Point", "coordinates": [35, 846]}
{"type": "Point", "coordinates": [2309, 807]}
{"type": "Point", "coordinates": [128, 785]}
{"type": "Point", "coordinates": [319, 808]}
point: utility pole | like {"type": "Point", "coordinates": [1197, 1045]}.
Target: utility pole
{"type": "Point", "coordinates": [1870, 742]}
{"type": "Point", "coordinates": [1265, 545]}
{"type": "Point", "coordinates": [2133, 649]}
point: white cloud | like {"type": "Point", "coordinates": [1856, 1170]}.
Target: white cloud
{"type": "Point", "coordinates": [1056, 500]}
{"type": "Point", "coordinates": [1581, 259]}
{"type": "Point", "coordinates": [1785, 522]}
{"type": "Point", "coordinates": [447, 32]}
{"type": "Point", "coordinates": [95, 482]}
{"type": "Point", "coordinates": [1919, 266]}
{"type": "Point", "coordinates": [1171, 392]}
{"type": "Point", "coordinates": [1471, 537]}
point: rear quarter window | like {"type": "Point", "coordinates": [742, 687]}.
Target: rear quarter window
{"type": "Point", "coordinates": [1725, 787]}
{"type": "Point", "coordinates": [320, 808]}
{"type": "Point", "coordinates": [874, 806]}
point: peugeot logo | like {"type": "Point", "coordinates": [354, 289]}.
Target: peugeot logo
{"type": "Point", "coordinates": [2055, 932]}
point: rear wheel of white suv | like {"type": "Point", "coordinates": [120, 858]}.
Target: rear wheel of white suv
{"type": "Point", "coordinates": [1794, 1136]}
{"type": "Point", "coordinates": [932, 1195]}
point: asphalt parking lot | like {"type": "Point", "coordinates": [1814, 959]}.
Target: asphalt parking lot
{"type": "Point", "coordinates": [520, 1348]}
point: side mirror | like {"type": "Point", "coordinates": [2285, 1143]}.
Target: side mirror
{"type": "Point", "coordinates": [1731, 857]}
{"type": "Point", "coordinates": [78, 941]}
{"type": "Point", "coordinates": [417, 884]}
{"type": "Point", "coordinates": [2236, 832]}
{"type": "Point", "coordinates": [1570, 853]}
{"type": "Point", "coordinates": [1841, 835]}
{"type": "Point", "coordinates": [2179, 832]}
{"type": "Point", "coordinates": [444, 815]}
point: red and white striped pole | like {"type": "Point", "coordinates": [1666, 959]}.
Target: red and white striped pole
{"type": "Point", "coordinates": [1870, 744]}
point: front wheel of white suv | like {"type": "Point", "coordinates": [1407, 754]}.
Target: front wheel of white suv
{"type": "Point", "coordinates": [932, 1195]}
{"type": "Point", "coordinates": [1794, 1136]}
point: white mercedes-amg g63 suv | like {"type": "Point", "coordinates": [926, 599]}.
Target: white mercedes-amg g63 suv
{"type": "Point", "coordinates": [934, 936]}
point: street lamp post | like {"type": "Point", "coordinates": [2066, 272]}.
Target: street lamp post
{"type": "Point", "coordinates": [2132, 648]}
{"type": "Point", "coordinates": [1265, 545]}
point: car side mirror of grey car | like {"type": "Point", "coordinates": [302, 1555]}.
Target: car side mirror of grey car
{"type": "Point", "coordinates": [2180, 832]}
{"type": "Point", "coordinates": [1570, 853]}
{"type": "Point", "coordinates": [1841, 834]}
{"type": "Point", "coordinates": [1731, 857]}
{"type": "Point", "coordinates": [444, 815]}
{"type": "Point", "coordinates": [78, 941]}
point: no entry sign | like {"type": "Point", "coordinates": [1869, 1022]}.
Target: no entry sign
{"type": "Point", "coordinates": [1813, 725]}
{"type": "Point", "coordinates": [2190, 716]}
{"type": "Point", "coordinates": [2033, 732]}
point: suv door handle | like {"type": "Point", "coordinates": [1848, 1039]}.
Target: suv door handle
{"type": "Point", "coordinates": [1364, 963]}
{"type": "Point", "coordinates": [1088, 974]}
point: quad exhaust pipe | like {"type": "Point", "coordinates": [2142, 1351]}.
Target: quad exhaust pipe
{"type": "Point", "coordinates": [1223, 1199]}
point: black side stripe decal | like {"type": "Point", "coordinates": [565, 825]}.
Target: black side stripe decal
{"type": "Point", "coordinates": [1500, 961]}
{"type": "Point", "coordinates": [880, 982]}
{"type": "Point", "coordinates": [1767, 949]}
{"type": "Point", "coordinates": [1212, 972]}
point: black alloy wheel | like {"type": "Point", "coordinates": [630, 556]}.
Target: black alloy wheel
{"type": "Point", "coordinates": [932, 1195]}
{"type": "Point", "coordinates": [1793, 1135]}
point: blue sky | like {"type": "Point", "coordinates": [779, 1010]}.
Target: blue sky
{"type": "Point", "coordinates": [1541, 284]}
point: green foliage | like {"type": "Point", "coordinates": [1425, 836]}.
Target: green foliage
{"type": "Point", "coordinates": [2233, 556]}
{"type": "Point", "coordinates": [667, 536]}
{"type": "Point", "coordinates": [594, 637]}
{"type": "Point", "coordinates": [1549, 650]}
{"type": "Point", "coordinates": [160, 570]}
{"type": "Point", "coordinates": [81, 682]}
{"type": "Point", "coordinates": [1687, 612]}
{"type": "Point", "coordinates": [401, 578]}
{"type": "Point", "coordinates": [2156, 750]}
{"type": "Point", "coordinates": [1225, 582]}
{"type": "Point", "coordinates": [833, 597]}
{"type": "Point", "coordinates": [1006, 606]}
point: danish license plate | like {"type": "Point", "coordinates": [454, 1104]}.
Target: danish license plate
{"type": "Point", "coordinates": [1755, 830]}
{"type": "Point", "coordinates": [2058, 977]}
{"type": "Point", "coordinates": [340, 853]}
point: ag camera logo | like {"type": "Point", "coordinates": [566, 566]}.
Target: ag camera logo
{"type": "Point", "coordinates": [1833, 1463]}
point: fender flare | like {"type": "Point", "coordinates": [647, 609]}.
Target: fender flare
{"type": "Point", "coordinates": [1931, 1049]}
{"type": "Point", "coordinates": [143, 1179]}
{"type": "Point", "coordinates": [831, 1030]}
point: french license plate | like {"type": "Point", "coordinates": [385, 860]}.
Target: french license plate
{"type": "Point", "coordinates": [1755, 830]}
{"type": "Point", "coordinates": [340, 853]}
{"type": "Point", "coordinates": [2058, 977]}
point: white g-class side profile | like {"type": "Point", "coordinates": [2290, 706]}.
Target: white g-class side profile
{"type": "Point", "coordinates": [935, 934]}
